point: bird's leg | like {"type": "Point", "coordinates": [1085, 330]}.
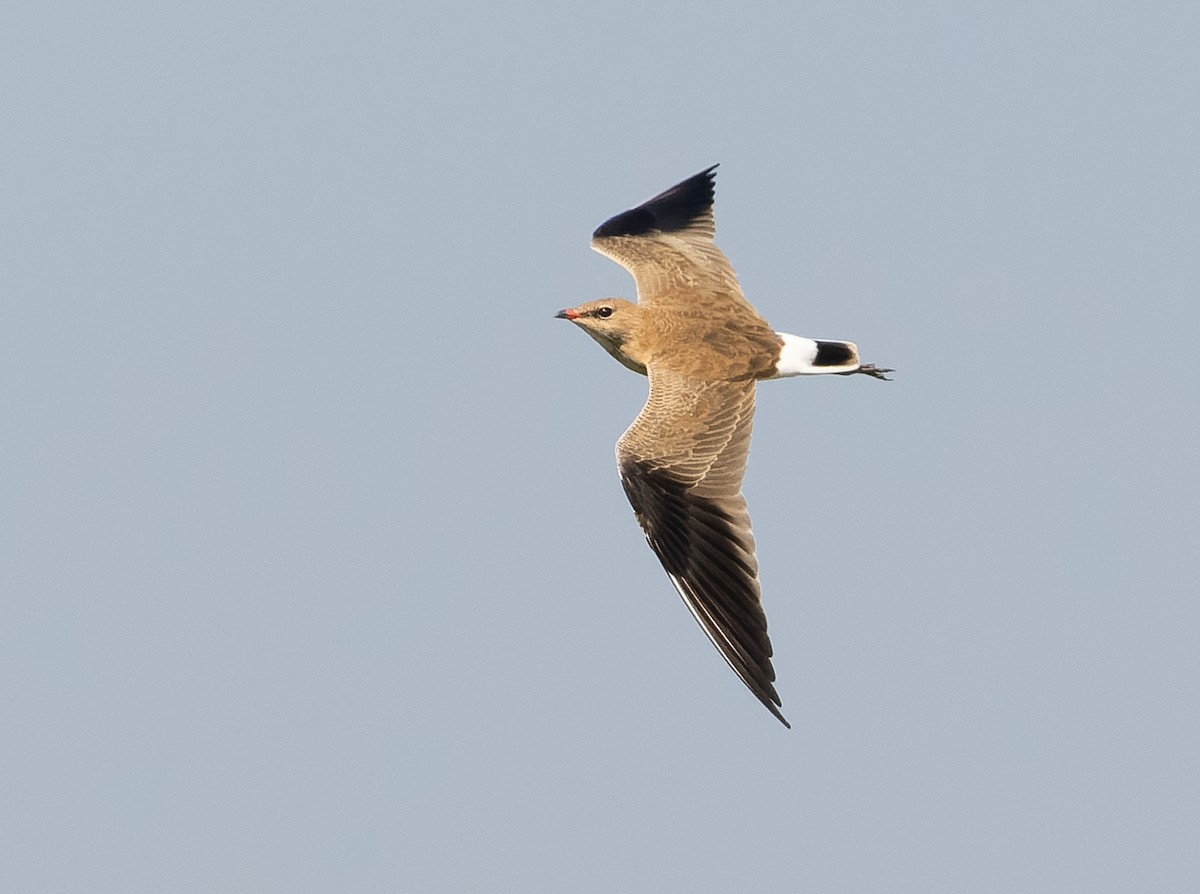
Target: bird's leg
{"type": "Point", "coordinates": [870, 369]}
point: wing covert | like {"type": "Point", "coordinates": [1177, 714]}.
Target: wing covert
{"type": "Point", "coordinates": [666, 243]}
{"type": "Point", "coordinates": [682, 463]}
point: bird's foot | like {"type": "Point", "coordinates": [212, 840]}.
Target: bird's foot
{"type": "Point", "coordinates": [879, 372]}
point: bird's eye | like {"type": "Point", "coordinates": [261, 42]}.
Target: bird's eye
{"type": "Point", "coordinates": [604, 311]}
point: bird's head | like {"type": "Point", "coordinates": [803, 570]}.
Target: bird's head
{"type": "Point", "coordinates": [613, 322]}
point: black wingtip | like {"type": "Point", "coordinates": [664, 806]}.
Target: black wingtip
{"type": "Point", "coordinates": [667, 212]}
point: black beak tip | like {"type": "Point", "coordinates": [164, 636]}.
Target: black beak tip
{"type": "Point", "coordinates": [561, 315]}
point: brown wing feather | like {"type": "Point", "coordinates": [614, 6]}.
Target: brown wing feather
{"type": "Point", "coordinates": [682, 463]}
{"type": "Point", "coordinates": [667, 244]}
{"type": "Point", "coordinates": [668, 268]}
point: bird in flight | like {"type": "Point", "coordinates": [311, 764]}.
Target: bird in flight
{"type": "Point", "coordinates": [703, 348]}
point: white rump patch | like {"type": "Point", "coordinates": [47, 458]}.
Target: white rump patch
{"type": "Point", "coordinates": [798, 357]}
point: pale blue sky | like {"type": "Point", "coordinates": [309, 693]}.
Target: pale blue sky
{"type": "Point", "coordinates": [316, 572]}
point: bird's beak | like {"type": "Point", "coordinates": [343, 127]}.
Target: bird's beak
{"type": "Point", "coordinates": [568, 314]}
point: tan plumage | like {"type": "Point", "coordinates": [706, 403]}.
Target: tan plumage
{"type": "Point", "coordinates": [682, 460]}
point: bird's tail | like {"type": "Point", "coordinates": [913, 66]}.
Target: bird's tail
{"type": "Point", "coordinates": [815, 357]}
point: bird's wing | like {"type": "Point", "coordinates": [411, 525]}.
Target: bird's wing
{"type": "Point", "coordinates": [667, 244]}
{"type": "Point", "coordinates": [681, 463]}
